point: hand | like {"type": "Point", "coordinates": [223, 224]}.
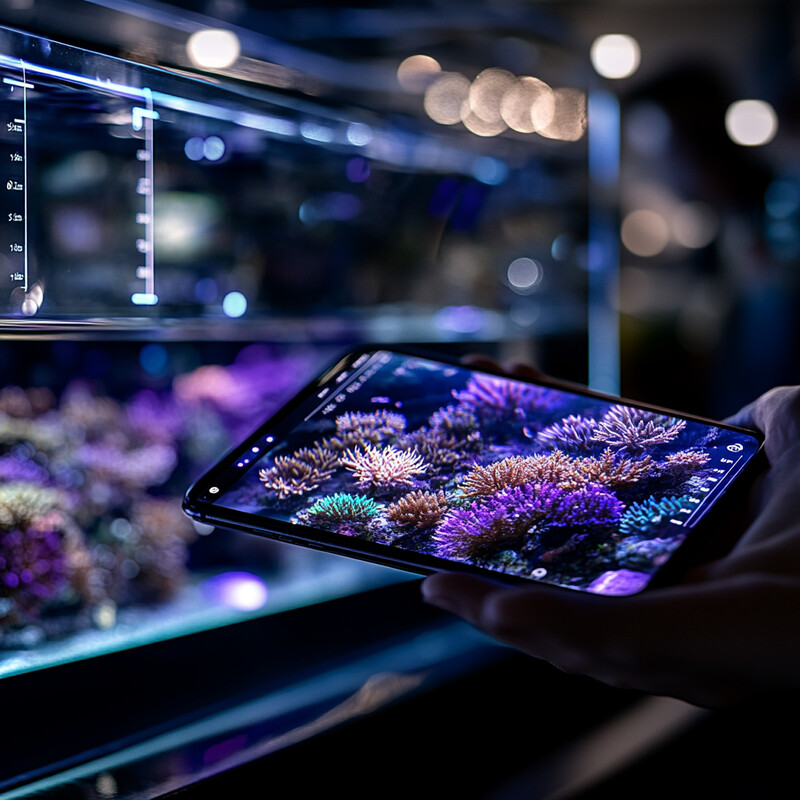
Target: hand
{"type": "Point", "coordinates": [727, 633]}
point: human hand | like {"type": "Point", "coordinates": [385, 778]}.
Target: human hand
{"type": "Point", "coordinates": [726, 633]}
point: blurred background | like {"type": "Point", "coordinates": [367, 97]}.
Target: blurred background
{"type": "Point", "coordinates": [204, 202]}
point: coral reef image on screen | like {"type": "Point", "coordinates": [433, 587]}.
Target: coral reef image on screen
{"type": "Point", "coordinates": [523, 479]}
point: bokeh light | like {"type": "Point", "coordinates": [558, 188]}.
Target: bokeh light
{"type": "Point", "coordinates": [751, 122]}
{"type": "Point", "coordinates": [416, 73]}
{"type": "Point", "coordinates": [569, 116]}
{"type": "Point", "coordinates": [645, 232]}
{"type": "Point", "coordinates": [615, 55]}
{"type": "Point", "coordinates": [695, 224]}
{"type": "Point", "coordinates": [242, 591]}
{"type": "Point", "coordinates": [523, 274]}
{"type": "Point", "coordinates": [234, 304]}
{"type": "Point", "coordinates": [528, 105]}
{"type": "Point", "coordinates": [213, 48]}
{"type": "Point", "coordinates": [445, 97]}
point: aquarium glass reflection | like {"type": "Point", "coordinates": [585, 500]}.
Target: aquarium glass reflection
{"type": "Point", "coordinates": [527, 480]}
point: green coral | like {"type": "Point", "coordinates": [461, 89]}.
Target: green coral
{"type": "Point", "coordinates": [342, 507]}
{"type": "Point", "coordinates": [648, 516]}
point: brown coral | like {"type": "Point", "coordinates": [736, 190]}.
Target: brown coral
{"type": "Point", "coordinates": [557, 468]}
{"type": "Point", "coordinates": [356, 428]}
{"type": "Point", "coordinates": [615, 471]}
{"type": "Point", "coordinates": [418, 509]}
{"type": "Point", "coordinates": [301, 472]}
{"type": "Point", "coordinates": [686, 462]}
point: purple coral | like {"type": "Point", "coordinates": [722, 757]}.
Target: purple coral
{"type": "Point", "coordinates": [494, 398]}
{"type": "Point", "coordinates": [573, 433]}
{"type": "Point", "coordinates": [635, 429]}
{"type": "Point", "coordinates": [520, 513]}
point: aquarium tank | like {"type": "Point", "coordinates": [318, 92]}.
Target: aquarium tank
{"type": "Point", "coordinates": [183, 248]}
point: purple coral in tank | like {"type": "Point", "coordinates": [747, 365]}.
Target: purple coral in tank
{"type": "Point", "coordinates": [494, 399]}
{"type": "Point", "coordinates": [573, 434]}
{"type": "Point", "coordinates": [619, 582]}
{"type": "Point", "coordinates": [636, 430]}
{"type": "Point", "coordinates": [33, 556]}
{"type": "Point", "coordinates": [519, 514]}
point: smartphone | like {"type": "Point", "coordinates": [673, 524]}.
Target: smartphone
{"type": "Point", "coordinates": [423, 463]}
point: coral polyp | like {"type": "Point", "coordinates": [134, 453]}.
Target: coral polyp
{"type": "Point", "coordinates": [635, 430]}
{"type": "Point", "coordinates": [686, 462]}
{"type": "Point", "coordinates": [519, 515]}
{"type": "Point", "coordinates": [557, 468]}
{"type": "Point", "coordinates": [302, 472]}
{"type": "Point", "coordinates": [573, 434]}
{"type": "Point", "coordinates": [383, 468]}
{"type": "Point", "coordinates": [342, 508]}
{"type": "Point", "coordinates": [450, 436]}
{"type": "Point", "coordinates": [615, 470]}
{"type": "Point", "coordinates": [356, 428]}
{"type": "Point", "coordinates": [497, 399]}
{"type": "Point", "coordinates": [418, 509]}
{"type": "Point", "coordinates": [649, 515]}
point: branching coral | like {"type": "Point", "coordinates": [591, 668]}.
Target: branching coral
{"type": "Point", "coordinates": [685, 462]}
{"type": "Point", "coordinates": [33, 549]}
{"type": "Point", "coordinates": [418, 509]}
{"type": "Point", "coordinates": [356, 428]}
{"type": "Point", "coordinates": [615, 471]}
{"type": "Point", "coordinates": [342, 508]}
{"type": "Point", "coordinates": [635, 430]}
{"type": "Point", "coordinates": [494, 398]}
{"type": "Point", "coordinates": [647, 516]}
{"type": "Point", "coordinates": [383, 468]}
{"type": "Point", "coordinates": [449, 437]}
{"type": "Point", "coordinates": [573, 434]}
{"type": "Point", "coordinates": [521, 513]}
{"type": "Point", "coordinates": [557, 468]}
{"type": "Point", "coordinates": [302, 472]}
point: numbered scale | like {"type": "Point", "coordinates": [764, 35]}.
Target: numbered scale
{"type": "Point", "coordinates": [15, 192]}
{"type": "Point", "coordinates": [24, 88]}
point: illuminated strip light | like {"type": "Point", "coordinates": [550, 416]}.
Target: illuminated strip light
{"type": "Point", "coordinates": [261, 122]}
{"type": "Point", "coordinates": [139, 114]}
{"type": "Point", "coordinates": [144, 299]}
{"type": "Point", "coordinates": [21, 84]}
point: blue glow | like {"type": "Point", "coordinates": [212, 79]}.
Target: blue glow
{"type": "Point", "coordinates": [194, 148]}
{"type": "Point", "coordinates": [153, 359]}
{"type": "Point", "coordinates": [490, 171]}
{"type": "Point", "coordinates": [316, 132]}
{"type": "Point", "coordinates": [234, 304]}
{"type": "Point", "coordinates": [205, 290]}
{"type": "Point", "coordinates": [144, 299]}
{"type": "Point", "coordinates": [461, 319]}
{"type": "Point", "coordinates": [359, 134]}
{"type": "Point", "coordinates": [214, 148]}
